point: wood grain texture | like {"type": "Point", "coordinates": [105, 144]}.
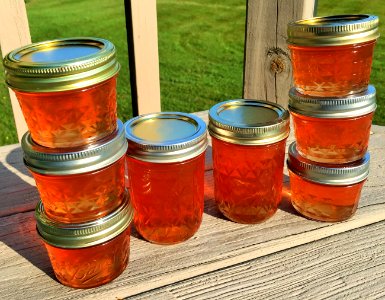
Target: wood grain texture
{"type": "Point", "coordinates": [143, 38]}
{"type": "Point", "coordinates": [267, 66]}
{"type": "Point", "coordinates": [14, 33]}
{"type": "Point", "coordinates": [218, 245]}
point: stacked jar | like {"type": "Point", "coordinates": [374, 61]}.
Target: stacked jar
{"type": "Point", "coordinates": [332, 107]}
{"type": "Point", "coordinates": [75, 150]}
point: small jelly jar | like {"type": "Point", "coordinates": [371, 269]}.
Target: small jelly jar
{"type": "Point", "coordinates": [79, 184]}
{"type": "Point", "coordinates": [166, 162]}
{"type": "Point", "coordinates": [90, 254]}
{"type": "Point", "coordinates": [248, 140]}
{"type": "Point", "coordinates": [66, 89]}
{"type": "Point", "coordinates": [332, 130]}
{"type": "Point", "coordinates": [325, 192]}
{"type": "Point", "coordinates": [332, 56]}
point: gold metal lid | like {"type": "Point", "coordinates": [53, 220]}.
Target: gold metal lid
{"type": "Point", "coordinates": [249, 122]}
{"type": "Point", "coordinates": [81, 235]}
{"type": "Point", "coordinates": [68, 161]}
{"type": "Point", "coordinates": [320, 107]}
{"type": "Point", "coordinates": [330, 174]}
{"type": "Point", "coordinates": [333, 30]}
{"type": "Point", "coordinates": [60, 65]}
{"type": "Point", "coordinates": [166, 137]}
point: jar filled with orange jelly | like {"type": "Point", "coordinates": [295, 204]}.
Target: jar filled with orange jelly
{"type": "Point", "coordinates": [166, 163]}
{"type": "Point", "coordinates": [332, 56]}
{"type": "Point", "coordinates": [248, 141]}
{"type": "Point", "coordinates": [85, 255]}
{"type": "Point", "coordinates": [332, 130]}
{"type": "Point", "coordinates": [326, 192]}
{"type": "Point", "coordinates": [79, 184]}
{"type": "Point", "coordinates": [66, 89]}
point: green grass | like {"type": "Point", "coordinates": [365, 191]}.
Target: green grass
{"type": "Point", "coordinates": [200, 48]}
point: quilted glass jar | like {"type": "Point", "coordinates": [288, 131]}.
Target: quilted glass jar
{"type": "Point", "coordinates": [332, 130]}
{"type": "Point", "coordinates": [166, 160]}
{"type": "Point", "coordinates": [79, 184]}
{"type": "Point", "coordinates": [332, 56]}
{"type": "Point", "coordinates": [248, 140]}
{"type": "Point", "coordinates": [66, 89]}
{"type": "Point", "coordinates": [90, 254]}
{"type": "Point", "coordinates": [326, 192]}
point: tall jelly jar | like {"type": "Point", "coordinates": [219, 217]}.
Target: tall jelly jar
{"type": "Point", "coordinates": [166, 162]}
{"type": "Point", "coordinates": [79, 184]}
{"type": "Point", "coordinates": [66, 89]}
{"type": "Point", "coordinates": [332, 130]}
{"type": "Point", "coordinates": [332, 56]}
{"type": "Point", "coordinates": [248, 141]}
{"type": "Point", "coordinates": [89, 254]}
{"type": "Point", "coordinates": [326, 192]}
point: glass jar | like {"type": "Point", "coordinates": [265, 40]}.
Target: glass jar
{"type": "Point", "coordinates": [79, 184]}
{"type": "Point", "coordinates": [332, 130]}
{"type": "Point", "coordinates": [248, 140]}
{"type": "Point", "coordinates": [90, 254]}
{"type": "Point", "coordinates": [66, 89]}
{"type": "Point", "coordinates": [166, 160]}
{"type": "Point", "coordinates": [332, 56]}
{"type": "Point", "coordinates": [326, 192]}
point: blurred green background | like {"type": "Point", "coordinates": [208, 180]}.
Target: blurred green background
{"type": "Point", "coordinates": [200, 48]}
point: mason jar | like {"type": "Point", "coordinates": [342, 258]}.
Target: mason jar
{"type": "Point", "coordinates": [79, 184]}
{"type": "Point", "coordinates": [166, 165]}
{"type": "Point", "coordinates": [89, 254]}
{"type": "Point", "coordinates": [332, 56]}
{"type": "Point", "coordinates": [326, 192]}
{"type": "Point", "coordinates": [332, 130]}
{"type": "Point", "coordinates": [248, 146]}
{"type": "Point", "coordinates": [66, 89]}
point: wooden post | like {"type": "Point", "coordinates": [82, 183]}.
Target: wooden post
{"type": "Point", "coordinates": [142, 37]}
{"type": "Point", "coordinates": [14, 33]}
{"type": "Point", "coordinates": [267, 67]}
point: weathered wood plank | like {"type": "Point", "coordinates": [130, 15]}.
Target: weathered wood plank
{"type": "Point", "coordinates": [267, 69]}
{"type": "Point", "coordinates": [14, 33]}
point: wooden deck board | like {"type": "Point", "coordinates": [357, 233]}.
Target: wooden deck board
{"type": "Point", "coordinates": [218, 245]}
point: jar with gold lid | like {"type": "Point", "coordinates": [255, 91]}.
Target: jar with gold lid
{"type": "Point", "coordinates": [332, 55]}
{"type": "Point", "coordinates": [79, 184]}
{"type": "Point", "coordinates": [332, 130]}
{"type": "Point", "coordinates": [66, 89]}
{"type": "Point", "coordinates": [248, 140]}
{"type": "Point", "coordinates": [166, 165]}
{"type": "Point", "coordinates": [85, 255]}
{"type": "Point", "coordinates": [326, 192]}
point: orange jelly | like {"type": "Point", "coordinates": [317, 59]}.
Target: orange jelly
{"type": "Point", "coordinates": [332, 130]}
{"type": "Point", "coordinates": [79, 184]}
{"type": "Point", "coordinates": [88, 254]}
{"type": "Point", "coordinates": [248, 140]}
{"type": "Point", "coordinates": [165, 160]}
{"type": "Point", "coordinates": [332, 56]}
{"type": "Point", "coordinates": [66, 89]}
{"type": "Point", "coordinates": [326, 192]}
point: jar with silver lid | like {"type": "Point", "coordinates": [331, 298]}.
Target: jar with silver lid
{"type": "Point", "coordinates": [248, 140]}
{"type": "Point", "coordinates": [332, 130]}
{"type": "Point", "coordinates": [326, 192]}
{"type": "Point", "coordinates": [79, 184]}
{"type": "Point", "coordinates": [88, 254]}
{"type": "Point", "coordinates": [166, 160]}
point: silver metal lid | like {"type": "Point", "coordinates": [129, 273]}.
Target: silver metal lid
{"type": "Point", "coordinates": [166, 137]}
{"type": "Point", "coordinates": [347, 107]}
{"type": "Point", "coordinates": [81, 235]}
{"type": "Point", "coordinates": [330, 174]}
{"type": "Point", "coordinates": [67, 161]}
{"type": "Point", "coordinates": [249, 122]}
{"type": "Point", "coordinates": [61, 65]}
{"type": "Point", "coordinates": [333, 30]}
